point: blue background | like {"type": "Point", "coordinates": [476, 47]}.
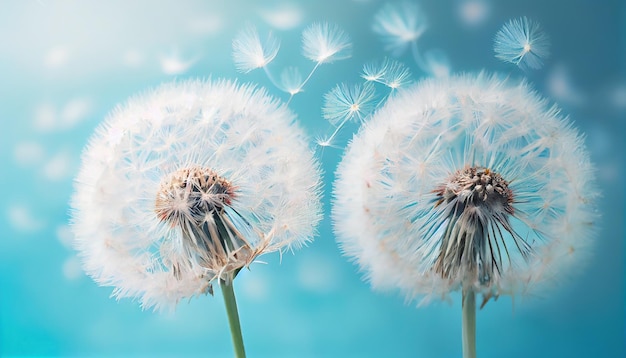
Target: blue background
{"type": "Point", "coordinates": [65, 64]}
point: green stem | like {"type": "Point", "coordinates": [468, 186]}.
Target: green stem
{"type": "Point", "coordinates": [469, 324]}
{"type": "Point", "coordinates": [233, 317]}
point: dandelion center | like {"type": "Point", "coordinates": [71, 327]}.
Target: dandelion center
{"type": "Point", "coordinates": [196, 200]}
{"type": "Point", "coordinates": [476, 187]}
{"type": "Point", "coordinates": [192, 192]}
{"type": "Point", "coordinates": [477, 203]}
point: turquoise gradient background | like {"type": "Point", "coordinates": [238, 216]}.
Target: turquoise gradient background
{"type": "Point", "coordinates": [65, 64]}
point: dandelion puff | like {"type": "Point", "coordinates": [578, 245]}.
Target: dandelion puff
{"type": "Point", "coordinates": [323, 43]}
{"type": "Point", "coordinates": [189, 183]}
{"type": "Point", "coordinates": [399, 25]}
{"type": "Point", "coordinates": [250, 53]}
{"type": "Point", "coordinates": [470, 183]}
{"type": "Point", "coordinates": [523, 43]}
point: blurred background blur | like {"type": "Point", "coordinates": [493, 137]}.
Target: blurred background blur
{"type": "Point", "coordinates": [65, 64]}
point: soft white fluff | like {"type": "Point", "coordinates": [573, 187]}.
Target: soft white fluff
{"type": "Point", "coordinates": [384, 211]}
{"type": "Point", "coordinates": [240, 132]}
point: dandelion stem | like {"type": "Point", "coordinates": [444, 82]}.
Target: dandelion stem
{"type": "Point", "coordinates": [317, 64]}
{"type": "Point", "coordinates": [332, 136]}
{"type": "Point", "coordinates": [469, 324]}
{"type": "Point", "coordinates": [233, 317]}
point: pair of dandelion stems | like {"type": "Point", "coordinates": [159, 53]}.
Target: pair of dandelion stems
{"type": "Point", "coordinates": [207, 231]}
{"type": "Point", "coordinates": [475, 199]}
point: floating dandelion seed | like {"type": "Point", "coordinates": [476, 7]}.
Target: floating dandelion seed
{"type": "Point", "coordinates": [188, 184]}
{"type": "Point", "coordinates": [249, 53]}
{"type": "Point", "coordinates": [470, 183]}
{"type": "Point", "coordinates": [346, 103]}
{"type": "Point", "coordinates": [399, 25]}
{"type": "Point", "coordinates": [291, 80]}
{"type": "Point", "coordinates": [374, 71]}
{"type": "Point", "coordinates": [523, 43]}
{"type": "Point", "coordinates": [323, 42]}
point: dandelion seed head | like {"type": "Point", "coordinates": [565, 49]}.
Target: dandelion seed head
{"type": "Point", "coordinates": [188, 184]}
{"type": "Point", "coordinates": [470, 181]}
{"type": "Point", "coordinates": [523, 43]}
{"type": "Point", "coordinates": [324, 42]}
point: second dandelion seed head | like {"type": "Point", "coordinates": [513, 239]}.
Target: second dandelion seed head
{"type": "Point", "coordinates": [469, 183]}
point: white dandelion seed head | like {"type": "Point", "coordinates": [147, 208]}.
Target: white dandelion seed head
{"type": "Point", "coordinates": [250, 53]}
{"type": "Point", "coordinates": [523, 43]}
{"type": "Point", "coordinates": [323, 42]}
{"type": "Point", "coordinates": [399, 25]}
{"type": "Point", "coordinates": [470, 181]}
{"type": "Point", "coordinates": [189, 183]}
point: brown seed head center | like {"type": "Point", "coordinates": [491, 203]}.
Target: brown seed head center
{"type": "Point", "coordinates": [477, 187]}
{"type": "Point", "coordinates": [193, 192]}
